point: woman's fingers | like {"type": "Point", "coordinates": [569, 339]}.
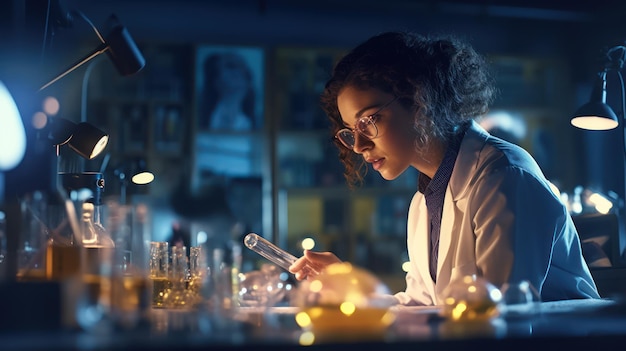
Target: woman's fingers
{"type": "Point", "coordinates": [312, 263]}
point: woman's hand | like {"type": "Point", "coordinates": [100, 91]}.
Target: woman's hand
{"type": "Point", "coordinates": [312, 263]}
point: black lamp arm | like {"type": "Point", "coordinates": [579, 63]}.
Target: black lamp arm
{"type": "Point", "coordinates": [99, 50]}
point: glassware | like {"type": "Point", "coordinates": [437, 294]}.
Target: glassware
{"type": "Point", "coordinates": [344, 301]}
{"type": "Point", "coordinates": [177, 295]}
{"type": "Point", "coordinates": [471, 298]}
{"type": "Point", "coordinates": [268, 250]}
{"type": "Point", "coordinates": [130, 283]}
{"type": "Point", "coordinates": [198, 270]}
{"type": "Point", "coordinates": [262, 288]}
{"type": "Point", "coordinates": [159, 271]}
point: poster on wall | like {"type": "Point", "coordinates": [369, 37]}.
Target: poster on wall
{"type": "Point", "coordinates": [300, 76]}
{"type": "Point", "coordinates": [229, 88]}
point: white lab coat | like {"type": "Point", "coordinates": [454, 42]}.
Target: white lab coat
{"type": "Point", "coordinates": [500, 221]}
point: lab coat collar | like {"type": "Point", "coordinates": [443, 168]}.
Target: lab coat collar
{"type": "Point", "coordinates": [467, 161]}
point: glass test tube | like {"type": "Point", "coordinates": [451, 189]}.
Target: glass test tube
{"type": "Point", "coordinates": [268, 250]}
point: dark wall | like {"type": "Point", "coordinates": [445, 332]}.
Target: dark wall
{"type": "Point", "coordinates": [31, 55]}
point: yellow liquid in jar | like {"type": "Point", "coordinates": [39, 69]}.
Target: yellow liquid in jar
{"type": "Point", "coordinates": [160, 286]}
{"type": "Point", "coordinates": [62, 261]}
{"type": "Point", "coordinates": [130, 293]}
{"type": "Point", "coordinates": [363, 320]}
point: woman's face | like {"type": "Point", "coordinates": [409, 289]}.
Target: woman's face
{"type": "Point", "coordinates": [233, 76]}
{"type": "Point", "coordinates": [392, 151]}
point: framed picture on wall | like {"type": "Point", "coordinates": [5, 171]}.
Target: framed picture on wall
{"type": "Point", "coordinates": [169, 128]}
{"type": "Point", "coordinates": [299, 78]}
{"type": "Point", "coordinates": [229, 88]}
{"type": "Point", "coordinates": [133, 119]}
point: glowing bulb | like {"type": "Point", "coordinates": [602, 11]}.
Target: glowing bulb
{"type": "Point", "coordinates": [601, 203]}
{"type": "Point", "coordinates": [308, 244]}
{"type": "Point", "coordinates": [143, 178]}
{"type": "Point", "coordinates": [12, 133]}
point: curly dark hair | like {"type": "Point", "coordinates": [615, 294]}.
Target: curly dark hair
{"type": "Point", "coordinates": [443, 79]}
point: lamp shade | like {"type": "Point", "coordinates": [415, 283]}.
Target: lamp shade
{"type": "Point", "coordinates": [118, 45]}
{"type": "Point", "coordinates": [84, 138]}
{"type": "Point", "coordinates": [595, 115]}
{"type": "Point", "coordinates": [139, 173]}
{"type": "Point", "coordinates": [88, 141]}
{"type": "Point", "coordinates": [123, 51]}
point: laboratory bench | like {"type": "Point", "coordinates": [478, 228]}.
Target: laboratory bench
{"type": "Point", "coordinates": [551, 325]}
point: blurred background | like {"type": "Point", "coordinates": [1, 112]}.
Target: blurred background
{"type": "Point", "coordinates": [225, 112]}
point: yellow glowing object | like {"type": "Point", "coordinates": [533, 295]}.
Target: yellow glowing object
{"type": "Point", "coordinates": [471, 298]}
{"type": "Point", "coordinates": [347, 308]}
{"type": "Point", "coordinates": [344, 299]}
{"type": "Point", "coordinates": [306, 339]}
{"type": "Point", "coordinates": [308, 244]}
{"type": "Point", "coordinates": [303, 319]}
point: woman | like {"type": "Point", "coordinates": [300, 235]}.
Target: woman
{"type": "Point", "coordinates": [483, 206]}
{"type": "Point", "coordinates": [229, 97]}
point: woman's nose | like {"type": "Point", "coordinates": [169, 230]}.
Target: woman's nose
{"type": "Point", "coordinates": [361, 143]}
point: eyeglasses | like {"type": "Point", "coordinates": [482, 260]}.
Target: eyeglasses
{"type": "Point", "coordinates": [364, 125]}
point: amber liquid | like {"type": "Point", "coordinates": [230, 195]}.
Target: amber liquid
{"type": "Point", "coordinates": [160, 286]}
{"type": "Point", "coordinates": [62, 261]}
{"type": "Point", "coordinates": [31, 274]}
{"type": "Point", "coordinates": [130, 293]}
{"type": "Point", "coordinates": [97, 289]}
{"type": "Point", "coordinates": [364, 320]}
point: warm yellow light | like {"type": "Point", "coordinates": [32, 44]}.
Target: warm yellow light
{"type": "Point", "coordinates": [315, 286]}
{"type": "Point", "coordinates": [594, 123]}
{"type": "Point", "coordinates": [347, 308]}
{"type": "Point", "coordinates": [143, 178]}
{"type": "Point", "coordinates": [100, 145]}
{"type": "Point", "coordinates": [303, 319]}
{"type": "Point", "coordinates": [308, 244]}
{"type": "Point", "coordinates": [307, 338]}
{"type": "Point", "coordinates": [457, 312]}
{"type": "Point", "coordinates": [601, 203]}
{"type": "Point", "coordinates": [405, 266]}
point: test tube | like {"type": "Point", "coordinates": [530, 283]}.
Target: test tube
{"type": "Point", "coordinates": [268, 250]}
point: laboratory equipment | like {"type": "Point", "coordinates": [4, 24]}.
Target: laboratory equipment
{"type": "Point", "coordinates": [268, 250]}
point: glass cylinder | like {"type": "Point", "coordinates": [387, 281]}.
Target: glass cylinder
{"type": "Point", "coordinates": [198, 272]}
{"type": "Point", "coordinates": [131, 295]}
{"type": "Point", "coordinates": [177, 296]}
{"type": "Point", "coordinates": [159, 271]}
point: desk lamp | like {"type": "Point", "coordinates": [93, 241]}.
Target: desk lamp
{"type": "Point", "coordinates": [118, 45]}
{"type": "Point", "coordinates": [84, 138]}
{"type": "Point", "coordinates": [135, 170]}
{"type": "Point", "coordinates": [596, 114]}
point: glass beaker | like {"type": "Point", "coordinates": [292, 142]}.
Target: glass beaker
{"type": "Point", "coordinates": [131, 294]}
{"type": "Point", "coordinates": [159, 271]}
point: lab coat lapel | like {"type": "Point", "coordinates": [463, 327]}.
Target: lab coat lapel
{"type": "Point", "coordinates": [456, 193]}
{"type": "Point", "coordinates": [446, 241]}
{"type": "Point", "coordinates": [423, 245]}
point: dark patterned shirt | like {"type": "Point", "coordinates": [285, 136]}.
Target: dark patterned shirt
{"type": "Point", "coordinates": [434, 191]}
